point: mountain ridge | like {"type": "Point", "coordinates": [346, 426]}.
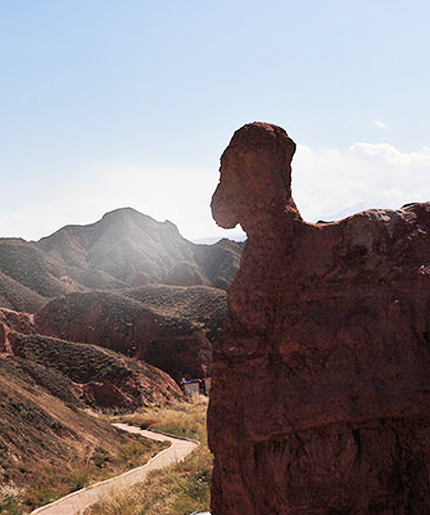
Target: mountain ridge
{"type": "Point", "coordinates": [123, 249]}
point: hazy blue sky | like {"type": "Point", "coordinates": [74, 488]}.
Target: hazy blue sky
{"type": "Point", "coordinates": [107, 104]}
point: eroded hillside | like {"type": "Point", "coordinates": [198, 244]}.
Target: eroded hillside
{"type": "Point", "coordinates": [170, 327]}
{"type": "Point", "coordinates": [99, 317]}
{"type": "Point", "coordinates": [48, 446]}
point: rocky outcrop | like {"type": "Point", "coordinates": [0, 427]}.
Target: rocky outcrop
{"type": "Point", "coordinates": [17, 321]}
{"type": "Point", "coordinates": [14, 321]}
{"type": "Point", "coordinates": [321, 376]}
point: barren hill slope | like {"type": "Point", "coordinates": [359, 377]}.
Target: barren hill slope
{"type": "Point", "coordinates": [44, 441]}
{"type": "Point", "coordinates": [16, 296]}
{"type": "Point", "coordinates": [135, 249]}
{"type": "Point", "coordinates": [27, 264]}
{"type": "Point", "coordinates": [169, 327]}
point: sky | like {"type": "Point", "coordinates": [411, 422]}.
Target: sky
{"type": "Point", "coordinates": [127, 103]}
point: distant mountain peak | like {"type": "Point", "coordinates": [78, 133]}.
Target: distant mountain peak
{"type": "Point", "coordinates": [124, 211]}
{"type": "Point", "coordinates": [125, 248]}
{"type": "Point", "coordinates": [130, 214]}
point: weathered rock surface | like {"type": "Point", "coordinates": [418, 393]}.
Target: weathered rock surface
{"type": "Point", "coordinates": [17, 321]}
{"type": "Point", "coordinates": [320, 400]}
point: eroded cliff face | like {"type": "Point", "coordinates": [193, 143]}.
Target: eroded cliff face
{"type": "Point", "coordinates": [321, 376]}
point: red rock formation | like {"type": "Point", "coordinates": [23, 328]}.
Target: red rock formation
{"type": "Point", "coordinates": [149, 386]}
{"type": "Point", "coordinates": [321, 376]}
{"type": "Point", "coordinates": [88, 373]}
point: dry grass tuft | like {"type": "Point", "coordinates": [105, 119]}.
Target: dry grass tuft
{"type": "Point", "coordinates": [186, 419]}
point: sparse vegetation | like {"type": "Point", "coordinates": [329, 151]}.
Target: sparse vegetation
{"type": "Point", "coordinates": [49, 482]}
{"type": "Point", "coordinates": [79, 362]}
{"type": "Point", "coordinates": [57, 365]}
{"type": "Point", "coordinates": [14, 295]}
{"type": "Point", "coordinates": [48, 449]}
{"type": "Point", "coordinates": [11, 500]}
{"type": "Point", "coordinates": [185, 419]}
{"type": "Point", "coordinates": [26, 264]}
{"type": "Point", "coordinates": [198, 306]}
{"type": "Point", "coordinates": [177, 490]}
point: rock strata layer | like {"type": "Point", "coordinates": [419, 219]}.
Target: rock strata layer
{"type": "Point", "coordinates": [321, 376]}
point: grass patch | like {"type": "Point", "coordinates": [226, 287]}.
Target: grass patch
{"type": "Point", "coordinates": [186, 419]}
{"type": "Point", "coordinates": [178, 490]}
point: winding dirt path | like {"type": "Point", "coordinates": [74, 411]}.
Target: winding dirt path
{"type": "Point", "coordinates": [76, 502]}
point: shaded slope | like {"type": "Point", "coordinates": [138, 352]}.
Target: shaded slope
{"type": "Point", "coordinates": [219, 262]}
{"type": "Point", "coordinates": [26, 264]}
{"type": "Point", "coordinates": [200, 305]}
{"type": "Point", "coordinates": [166, 326]}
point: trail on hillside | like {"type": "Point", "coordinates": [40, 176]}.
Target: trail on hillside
{"type": "Point", "coordinates": [76, 502]}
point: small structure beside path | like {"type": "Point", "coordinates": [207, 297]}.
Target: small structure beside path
{"type": "Point", "coordinates": [196, 386]}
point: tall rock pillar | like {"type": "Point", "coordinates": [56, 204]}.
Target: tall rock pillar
{"type": "Point", "coordinates": [320, 400]}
